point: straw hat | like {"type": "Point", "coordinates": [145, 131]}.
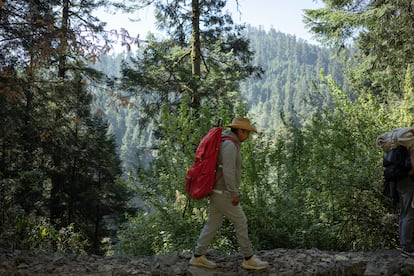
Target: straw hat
{"type": "Point", "coordinates": [242, 123]}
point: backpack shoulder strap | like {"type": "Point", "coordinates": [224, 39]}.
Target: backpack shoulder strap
{"type": "Point", "coordinates": [230, 139]}
{"type": "Point", "coordinates": [237, 146]}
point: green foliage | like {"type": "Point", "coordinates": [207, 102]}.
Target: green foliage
{"type": "Point", "coordinates": [203, 58]}
{"type": "Point", "coordinates": [160, 231]}
{"type": "Point", "coordinates": [381, 31]}
{"type": "Point", "coordinates": [34, 231]}
{"type": "Point", "coordinates": [135, 239]}
{"type": "Point", "coordinates": [44, 237]}
{"type": "Point", "coordinates": [314, 186]}
{"type": "Point", "coordinates": [327, 180]}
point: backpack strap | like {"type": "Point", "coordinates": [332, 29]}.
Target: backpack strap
{"type": "Point", "coordinates": [237, 146]}
{"type": "Point", "coordinates": [230, 139]}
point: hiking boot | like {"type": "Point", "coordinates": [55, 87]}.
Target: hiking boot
{"type": "Point", "coordinates": [254, 263]}
{"type": "Point", "coordinates": [203, 262]}
{"type": "Point", "coordinates": [407, 253]}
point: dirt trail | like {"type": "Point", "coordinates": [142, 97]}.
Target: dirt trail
{"type": "Point", "coordinates": [282, 262]}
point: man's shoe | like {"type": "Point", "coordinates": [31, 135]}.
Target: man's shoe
{"type": "Point", "coordinates": [407, 253]}
{"type": "Point", "coordinates": [254, 263]}
{"type": "Point", "coordinates": [203, 262]}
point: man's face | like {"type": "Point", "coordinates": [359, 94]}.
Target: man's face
{"type": "Point", "coordinates": [243, 134]}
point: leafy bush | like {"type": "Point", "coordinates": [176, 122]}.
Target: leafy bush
{"type": "Point", "coordinates": [67, 240]}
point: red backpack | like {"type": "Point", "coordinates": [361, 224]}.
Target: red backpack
{"type": "Point", "coordinates": [201, 175]}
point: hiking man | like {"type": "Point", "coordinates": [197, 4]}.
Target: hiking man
{"type": "Point", "coordinates": [224, 200]}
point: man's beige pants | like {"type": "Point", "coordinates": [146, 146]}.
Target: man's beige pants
{"type": "Point", "coordinates": [221, 207]}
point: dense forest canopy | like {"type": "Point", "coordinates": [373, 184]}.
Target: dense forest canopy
{"type": "Point", "coordinates": [93, 155]}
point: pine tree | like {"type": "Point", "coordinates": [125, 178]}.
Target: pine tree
{"type": "Point", "coordinates": [381, 31]}
{"type": "Point", "coordinates": [199, 59]}
{"type": "Point", "coordinates": [47, 171]}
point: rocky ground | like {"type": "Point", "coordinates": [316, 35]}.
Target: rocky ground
{"type": "Point", "coordinates": [282, 262]}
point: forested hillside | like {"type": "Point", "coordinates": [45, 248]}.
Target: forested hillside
{"type": "Point", "coordinates": [291, 67]}
{"type": "Point", "coordinates": [123, 113]}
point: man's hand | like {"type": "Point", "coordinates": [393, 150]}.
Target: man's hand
{"type": "Point", "coordinates": [235, 201]}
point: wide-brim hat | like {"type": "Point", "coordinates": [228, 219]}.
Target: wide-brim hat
{"type": "Point", "coordinates": [242, 123]}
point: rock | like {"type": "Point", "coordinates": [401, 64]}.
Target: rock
{"type": "Point", "coordinates": [283, 262]}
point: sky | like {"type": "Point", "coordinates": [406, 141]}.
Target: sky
{"type": "Point", "coordinates": [285, 16]}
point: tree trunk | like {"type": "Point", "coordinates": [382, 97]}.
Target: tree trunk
{"type": "Point", "coordinates": [195, 49]}
{"type": "Point", "coordinates": [58, 179]}
{"type": "Point", "coordinates": [63, 42]}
